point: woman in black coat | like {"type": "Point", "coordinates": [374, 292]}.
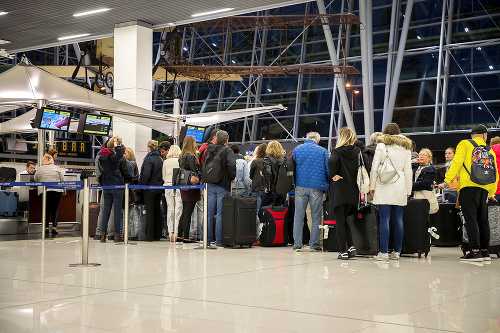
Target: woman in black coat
{"type": "Point", "coordinates": [188, 160]}
{"type": "Point", "coordinates": [272, 162]}
{"type": "Point", "coordinates": [151, 174]}
{"type": "Point", "coordinates": [424, 172]}
{"type": "Point", "coordinates": [344, 193]}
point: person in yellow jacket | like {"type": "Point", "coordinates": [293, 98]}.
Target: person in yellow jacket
{"type": "Point", "coordinates": [473, 196]}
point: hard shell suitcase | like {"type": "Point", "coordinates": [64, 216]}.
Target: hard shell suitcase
{"type": "Point", "coordinates": [494, 220]}
{"type": "Point", "coordinates": [306, 233]}
{"type": "Point", "coordinates": [137, 222]}
{"type": "Point", "coordinates": [274, 226]}
{"type": "Point", "coordinates": [239, 218]}
{"type": "Point", "coordinates": [448, 226]}
{"type": "Point", "coordinates": [8, 203]}
{"type": "Point", "coordinates": [364, 226]}
{"type": "Point", "coordinates": [416, 238]}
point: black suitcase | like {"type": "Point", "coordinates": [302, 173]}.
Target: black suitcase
{"type": "Point", "coordinates": [306, 234]}
{"type": "Point", "coordinates": [239, 218]}
{"type": "Point", "coordinates": [330, 241]}
{"type": "Point", "coordinates": [7, 174]}
{"type": "Point", "coordinates": [448, 226]}
{"type": "Point", "coordinates": [365, 230]}
{"type": "Point", "coordinates": [416, 238]}
{"type": "Point", "coordinates": [274, 226]}
{"type": "Point", "coordinates": [494, 220]}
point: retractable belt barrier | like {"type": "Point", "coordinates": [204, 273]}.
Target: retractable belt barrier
{"type": "Point", "coordinates": [77, 185]}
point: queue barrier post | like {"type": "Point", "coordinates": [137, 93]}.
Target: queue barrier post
{"type": "Point", "coordinates": [85, 228]}
{"type": "Point", "coordinates": [125, 218]}
{"type": "Point", "coordinates": [205, 246]}
{"type": "Point", "coordinates": [44, 211]}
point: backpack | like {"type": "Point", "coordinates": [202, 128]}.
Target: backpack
{"type": "Point", "coordinates": [211, 170]}
{"type": "Point", "coordinates": [483, 169]}
{"type": "Point", "coordinates": [286, 176]}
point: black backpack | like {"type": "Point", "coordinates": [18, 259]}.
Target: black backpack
{"type": "Point", "coordinates": [286, 176]}
{"type": "Point", "coordinates": [483, 169]}
{"type": "Point", "coordinates": [211, 170]}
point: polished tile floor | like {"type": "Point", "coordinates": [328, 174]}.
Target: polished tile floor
{"type": "Point", "coordinates": [159, 287]}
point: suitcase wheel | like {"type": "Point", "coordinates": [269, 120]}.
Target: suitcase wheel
{"type": "Point", "coordinates": [250, 246]}
{"type": "Point", "coordinates": [426, 254]}
{"type": "Point", "coordinates": [235, 246]}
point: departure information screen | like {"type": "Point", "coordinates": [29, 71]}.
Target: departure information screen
{"type": "Point", "coordinates": [97, 124]}
{"type": "Point", "coordinates": [197, 132]}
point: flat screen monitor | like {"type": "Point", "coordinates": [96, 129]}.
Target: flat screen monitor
{"type": "Point", "coordinates": [53, 119]}
{"type": "Point", "coordinates": [197, 132]}
{"type": "Point", "coordinates": [95, 124]}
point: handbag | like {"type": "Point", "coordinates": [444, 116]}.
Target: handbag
{"type": "Point", "coordinates": [363, 180]}
{"type": "Point", "coordinates": [181, 177]}
{"type": "Point", "coordinates": [429, 196]}
{"type": "Point", "coordinates": [387, 171]}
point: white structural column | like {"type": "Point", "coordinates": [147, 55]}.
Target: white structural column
{"type": "Point", "coordinates": [367, 105]}
{"type": "Point", "coordinates": [133, 53]}
{"type": "Point", "coordinates": [335, 62]}
{"type": "Point", "coordinates": [399, 63]}
{"type": "Point", "coordinates": [437, 117]}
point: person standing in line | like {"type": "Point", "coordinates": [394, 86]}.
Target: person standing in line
{"type": "Point", "coordinates": [173, 196]}
{"type": "Point", "coordinates": [189, 161]}
{"type": "Point", "coordinates": [495, 145]}
{"type": "Point", "coordinates": [312, 177]}
{"type": "Point", "coordinates": [450, 195]}
{"type": "Point", "coordinates": [272, 163]}
{"type": "Point", "coordinates": [151, 174]}
{"type": "Point", "coordinates": [391, 197]}
{"type": "Point", "coordinates": [163, 148]}
{"type": "Point", "coordinates": [49, 172]}
{"type": "Point", "coordinates": [474, 197]}
{"type": "Point", "coordinates": [242, 184]}
{"type": "Point", "coordinates": [424, 174]}
{"type": "Point", "coordinates": [344, 193]}
{"type": "Point", "coordinates": [53, 152]}
{"type": "Point", "coordinates": [129, 156]}
{"type": "Point", "coordinates": [257, 177]}
{"type": "Point", "coordinates": [212, 140]}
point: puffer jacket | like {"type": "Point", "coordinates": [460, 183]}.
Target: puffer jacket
{"type": "Point", "coordinates": [271, 167]}
{"type": "Point", "coordinates": [49, 173]}
{"type": "Point", "coordinates": [395, 193]}
{"type": "Point", "coordinates": [426, 178]}
{"type": "Point", "coordinates": [311, 162]}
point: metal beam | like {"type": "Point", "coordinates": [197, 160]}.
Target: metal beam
{"type": "Point", "coordinates": [366, 70]}
{"type": "Point", "coordinates": [447, 66]}
{"type": "Point", "coordinates": [335, 62]}
{"type": "Point", "coordinates": [399, 62]}
{"type": "Point", "coordinates": [440, 59]}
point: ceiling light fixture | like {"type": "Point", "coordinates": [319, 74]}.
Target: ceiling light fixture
{"type": "Point", "coordinates": [3, 13]}
{"type": "Point", "coordinates": [490, 67]}
{"type": "Point", "coordinates": [479, 48]}
{"type": "Point", "coordinates": [466, 29]}
{"type": "Point", "coordinates": [3, 41]}
{"type": "Point", "coordinates": [212, 12]}
{"type": "Point", "coordinates": [418, 37]}
{"type": "Point", "coordinates": [185, 48]}
{"type": "Point", "coordinates": [74, 36]}
{"type": "Point", "coordinates": [92, 12]}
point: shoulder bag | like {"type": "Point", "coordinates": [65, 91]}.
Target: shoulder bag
{"type": "Point", "coordinates": [362, 179]}
{"type": "Point", "coordinates": [386, 171]}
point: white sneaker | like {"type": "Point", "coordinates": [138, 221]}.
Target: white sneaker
{"type": "Point", "coordinates": [395, 255]}
{"type": "Point", "coordinates": [381, 257]}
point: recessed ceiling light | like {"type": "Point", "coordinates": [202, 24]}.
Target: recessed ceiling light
{"type": "Point", "coordinates": [3, 13]}
{"type": "Point", "coordinates": [74, 36]}
{"type": "Point", "coordinates": [92, 12]}
{"type": "Point", "coordinates": [213, 12]}
{"type": "Point", "coordinates": [3, 41]}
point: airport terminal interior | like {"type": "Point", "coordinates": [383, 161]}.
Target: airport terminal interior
{"type": "Point", "coordinates": [74, 76]}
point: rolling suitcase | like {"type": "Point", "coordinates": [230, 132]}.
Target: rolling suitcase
{"type": "Point", "coordinates": [94, 208]}
{"type": "Point", "coordinates": [239, 218]}
{"type": "Point", "coordinates": [365, 230]}
{"type": "Point", "coordinates": [8, 203]}
{"type": "Point", "coordinates": [306, 234]}
{"type": "Point", "coordinates": [416, 238]}
{"type": "Point", "coordinates": [330, 241]}
{"type": "Point", "coordinates": [494, 220]}
{"type": "Point", "coordinates": [274, 226]}
{"type": "Point", "coordinates": [448, 226]}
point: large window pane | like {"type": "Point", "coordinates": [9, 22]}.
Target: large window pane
{"type": "Point", "coordinates": [313, 123]}
{"type": "Point", "coordinates": [460, 90]}
{"type": "Point", "coordinates": [269, 129]}
{"type": "Point", "coordinates": [288, 100]}
{"type": "Point", "coordinates": [279, 84]}
{"type": "Point", "coordinates": [462, 116]}
{"type": "Point", "coordinates": [316, 102]}
{"type": "Point", "coordinates": [479, 59]}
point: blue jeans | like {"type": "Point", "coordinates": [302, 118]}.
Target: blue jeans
{"type": "Point", "coordinates": [384, 212]}
{"type": "Point", "coordinates": [112, 199]}
{"type": "Point", "coordinates": [258, 195]}
{"type": "Point", "coordinates": [451, 197]}
{"type": "Point", "coordinates": [215, 196]}
{"type": "Point", "coordinates": [314, 197]}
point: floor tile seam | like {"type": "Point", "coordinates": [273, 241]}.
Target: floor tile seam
{"type": "Point", "coordinates": [408, 326]}
{"type": "Point", "coordinates": [49, 300]}
{"type": "Point", "coordinates": [61, 284]}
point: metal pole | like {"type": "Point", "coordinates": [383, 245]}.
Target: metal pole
{"type": "Point", "coordinates": [440, 59]}
{"type": "Point", "coordinates": [44, 211]}
{"type": "Point", "coordinates": [125, 218]}
{"type": "Point", "coordinates": [177, 112]}
{"type": "Point", "coordinates": [335, 62]}
{"type": "Point", "coordinates": [390, 59]}
{"type": "Point", "coordinates": [444, 101]}
{"type": "Point", "coordinates": [85, 227]}
{"type": "Point", "coordinates": [369, 38]}
{"type": "Point", "coordinates": [366, 71]}
{"type": "Point", "coordinates": [399, 62]}
{"type": "Point", "coordinates": [205, 217]}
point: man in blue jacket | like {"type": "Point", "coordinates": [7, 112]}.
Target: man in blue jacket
{"type": "Point", "coordinates": [311, 181]}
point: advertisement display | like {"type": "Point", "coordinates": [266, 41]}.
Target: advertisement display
{"type": "Point", "coordinates": [53, 119]}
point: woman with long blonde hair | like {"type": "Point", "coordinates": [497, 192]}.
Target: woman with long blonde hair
{"type": "Point", "coordinates": [173, 197]}
{"type": "Point", "coordinates": [344, 193]}
{"type": "Point", "coordinates": [272, 162]}
{"type": "Point", "coordinates": [189, 160]}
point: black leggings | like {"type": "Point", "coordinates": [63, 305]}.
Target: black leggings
{"type": "Point", "coordinates": [344, 235]}
{"type": "Point", "coordinates": [53, 199]}
{"type": "Point", "coordinates": [185, 220]}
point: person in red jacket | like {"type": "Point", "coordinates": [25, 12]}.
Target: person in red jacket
{"type": "Point", "coordinates": [495, 145]}
{"type": "Point", "coordinates": [212, 140]}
